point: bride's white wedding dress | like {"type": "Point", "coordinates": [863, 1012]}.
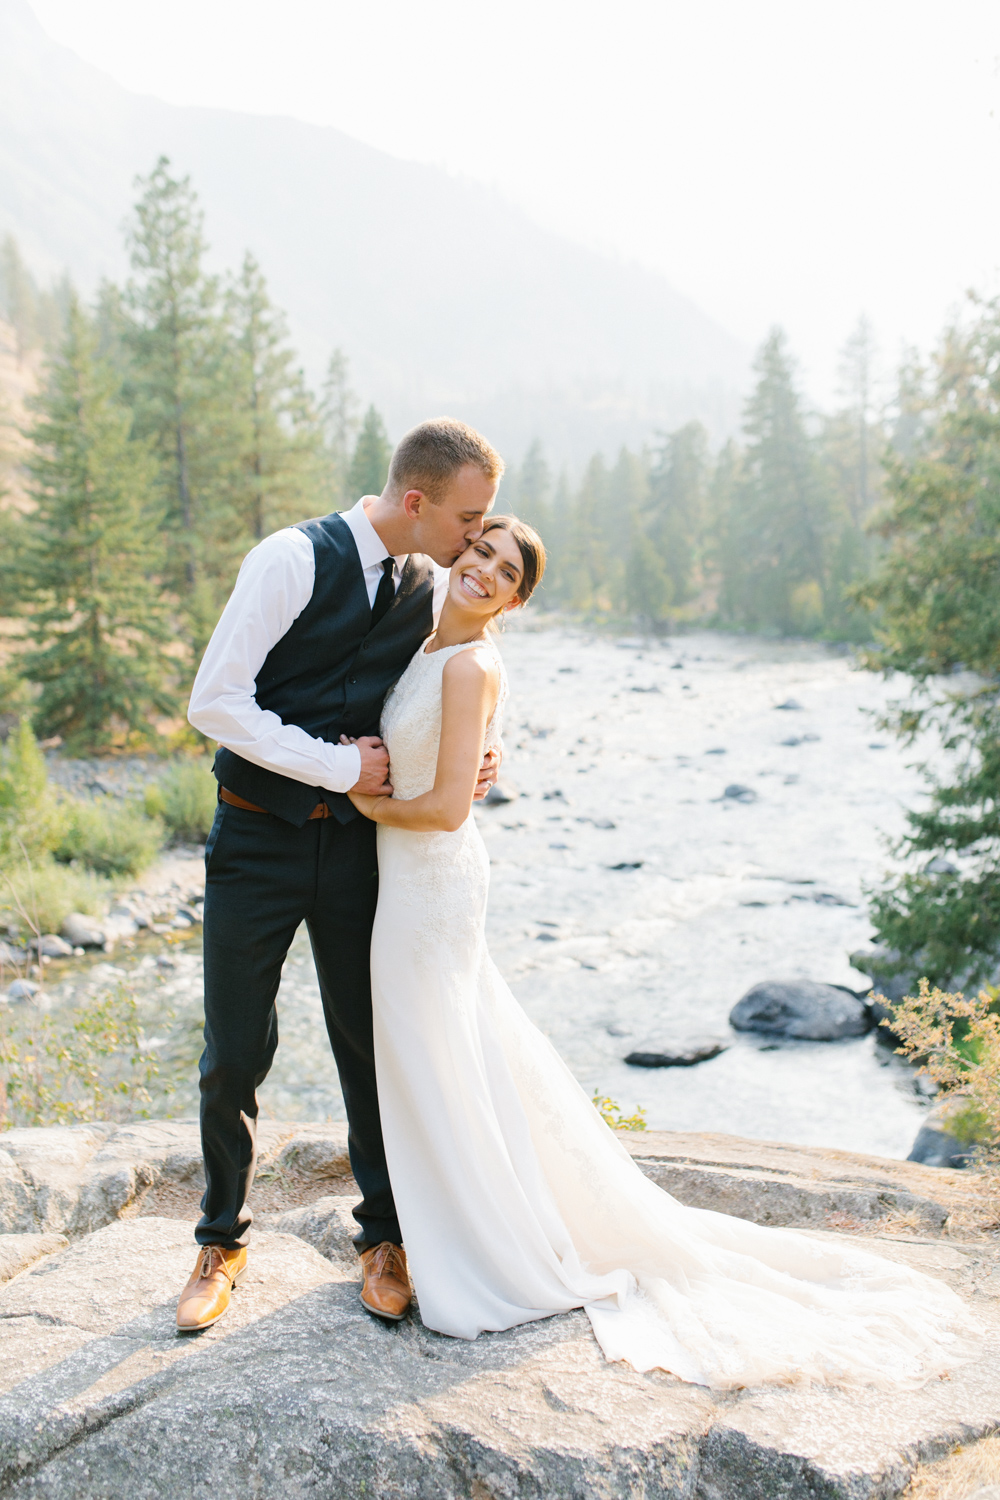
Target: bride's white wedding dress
{"type": "Point", "coordinates": [517, 1202]}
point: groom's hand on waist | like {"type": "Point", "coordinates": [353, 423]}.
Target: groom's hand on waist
{"type": "Point", "coordinates": [374, 778]}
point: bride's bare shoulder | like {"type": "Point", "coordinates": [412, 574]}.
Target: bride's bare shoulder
{"type": "Point", "coordinates": [472, 670]}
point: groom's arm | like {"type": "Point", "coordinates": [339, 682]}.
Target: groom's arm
{"type": "Point", "coordinates": [274, 586]}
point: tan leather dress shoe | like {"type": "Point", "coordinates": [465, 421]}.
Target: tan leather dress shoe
{"type": "Point", "coordinates": [206, 1296]}
{"type": "Point", "coordinates": [386, 1291]}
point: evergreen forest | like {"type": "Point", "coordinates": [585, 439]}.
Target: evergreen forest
{"type": "Point", "coordinates": [174, 428]}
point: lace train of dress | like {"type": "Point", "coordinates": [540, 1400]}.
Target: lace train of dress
{"type": "Point", "coordinates": [517, 1202]}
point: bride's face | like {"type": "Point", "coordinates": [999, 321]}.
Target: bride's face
{"type": "Point", "coordinates": [487, 575]}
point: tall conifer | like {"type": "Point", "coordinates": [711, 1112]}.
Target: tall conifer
{"type": "Point", "coordinates": [678, 486]}
{"type": "Point", "coordinates": [370, 461]}
{"type": "Point", "coordinates": [85, 559]}
{"type": "Point", "coordinates": [338, 410]}
{"type": "Point", "coordinates": [780, 516]}
{"type": "Point", "coordinates": [282, 475]}
{"type": "Point", "coordinates": [180, 387]}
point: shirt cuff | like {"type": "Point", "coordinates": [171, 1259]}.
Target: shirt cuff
{"type": "Point", "coordinates": [348, 768]}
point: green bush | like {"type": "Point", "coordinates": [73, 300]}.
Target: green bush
{"type": "Point", "coordinates": [77, 1064]}
{"type": "Point", "coordinates": [42, 894]}
{"type": "Point", "coordinates": [185, 798]}
{"type": "Point", "coordinates": [31, 818]}
{"type": "Point", "coordinates": [112, 838]}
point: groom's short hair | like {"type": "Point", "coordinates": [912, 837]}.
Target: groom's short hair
{"type": "Point", "coordinates": [429, 455]}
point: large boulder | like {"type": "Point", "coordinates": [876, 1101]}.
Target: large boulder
{"type": "Point", "coordinates": [298, 1392]}
{"type": "Point", "coordinates": [802, 1009]}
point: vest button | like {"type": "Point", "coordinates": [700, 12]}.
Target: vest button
{"type": "Point", "coordinates": [352, 680]}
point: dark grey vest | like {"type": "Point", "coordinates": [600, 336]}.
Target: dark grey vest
{"type": "Point", "coordinates": [330, 672]}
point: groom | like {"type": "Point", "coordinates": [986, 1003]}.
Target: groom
{"type": "Point", "coordinates": [324, 617]}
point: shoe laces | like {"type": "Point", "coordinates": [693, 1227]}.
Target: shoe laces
{"type": "Point", "coordinates": [387, 1258]}
{"type": "Point", "coordinates": [212, 1260]}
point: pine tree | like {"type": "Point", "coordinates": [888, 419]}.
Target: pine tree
{"type": "Point", "coordinates": [935, 595]}
{"type": "Point", "coordinates": [853, 441]}
{"type": "Point", "coordinates": [677, 502]}
{"type": "Point", "coordinates": [282, 475]}
{"type": "Point", "coordinates": [85, 557]}
{"type": "Point", "coordinates": [180, 388]}
{"type": "Point", "coordinates": [532, 490]}
{"type": "Point", "coordinates": [338, 410]}
{"type": "Point", "coordinates": [780, 512]}
{"type": "Point", "coordinates": [369, 468]}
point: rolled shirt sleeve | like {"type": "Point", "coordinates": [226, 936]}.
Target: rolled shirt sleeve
{"type": "Point", "coordinates": [274, 586]}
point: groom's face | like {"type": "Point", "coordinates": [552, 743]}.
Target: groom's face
{"type": "Point", "coordinates": [446, 527]}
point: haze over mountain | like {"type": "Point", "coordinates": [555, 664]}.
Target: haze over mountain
{"type": "Point", "coordinates": [443, 296]}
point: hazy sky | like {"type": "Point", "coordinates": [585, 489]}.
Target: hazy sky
{"type": "Point", "coordinates": [779, 160]}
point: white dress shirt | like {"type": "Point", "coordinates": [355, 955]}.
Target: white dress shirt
{"type": "Point", "coordinates": [274, 586]}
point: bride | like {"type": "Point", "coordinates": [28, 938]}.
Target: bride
{"type": "Point", "coordinates": [515, 1199]}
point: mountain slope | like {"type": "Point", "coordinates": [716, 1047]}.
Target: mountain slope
{"type": "Point", "coordinates": [442, 294]}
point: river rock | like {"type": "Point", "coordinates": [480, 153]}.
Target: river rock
{"type": "Point", "coordinates": [51, 946]}
{"type": "Point", "coordinates": [22, 989]}
{"type": "Point", "coordinates": [82, 932]}
{"type": "Point", "coordinates": [936, 1145]}
{"type": "Point", "coordinates": [500, 794]}
{"type": "Point", "coordinates": [737, 793]}
{"type": "Point", "coordinates": [802, 1009]}
{"type": "Point", "coordinates": [677, 1054]}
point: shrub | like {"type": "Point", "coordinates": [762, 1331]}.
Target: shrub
{"type": "Point", "coordinates": [40, 894]}
{"type": "Point", "coordinates": [957, 1042]}
{"type": "Point", "coordinates": [185, 798]}
{"type": "Point", "coordinates": [88, 1064]}
{"type": "Point", "coordinates": [610, 1112]}
{"type": "Point", "coordinates": [31, 819]}
{"type": "Point", "coordinates": [113, 838]}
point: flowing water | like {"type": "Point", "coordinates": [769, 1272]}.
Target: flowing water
{"type": "Point", "coordinates": [633, 903]}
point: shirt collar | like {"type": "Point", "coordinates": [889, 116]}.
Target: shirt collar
{"type": "Point", "coordinates": [371, 549]}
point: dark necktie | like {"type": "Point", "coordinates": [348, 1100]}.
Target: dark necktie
{"type": "Point", "coordinates": [385, 592]}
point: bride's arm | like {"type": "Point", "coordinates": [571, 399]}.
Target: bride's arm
{"type": "Point", "coordinates": [469, 688]}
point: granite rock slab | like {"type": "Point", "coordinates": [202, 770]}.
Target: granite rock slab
{"type": "Point", "coordinates": [298, 1392]}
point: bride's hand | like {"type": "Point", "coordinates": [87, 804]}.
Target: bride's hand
{"type": "Point", "coordinates": [488, 773]}
{"type": "Point", "coordinates": [367, 804]}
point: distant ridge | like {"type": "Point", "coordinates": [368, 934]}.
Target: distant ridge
{"type": "Point", "coordinates": [443, 295]}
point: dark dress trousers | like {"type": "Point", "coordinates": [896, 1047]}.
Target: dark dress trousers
{"type": "Point", "coordinates": [268, 872]}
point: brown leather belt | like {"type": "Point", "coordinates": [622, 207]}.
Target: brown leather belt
{"type": "Point", "coordinates": [225, 795]}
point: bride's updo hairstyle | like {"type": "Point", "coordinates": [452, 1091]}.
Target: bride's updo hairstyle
{"type": "Point", "coordinates": [531, 548]}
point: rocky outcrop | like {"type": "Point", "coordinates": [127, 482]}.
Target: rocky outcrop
{"type": "Point", "coordinates": [802, 1009]}
{"type": "Point", "coordinates": [74, 1179]}
{"type": "Point", "coordinates": [298, 1392]}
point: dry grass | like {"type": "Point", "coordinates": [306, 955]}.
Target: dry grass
{"type": "Point", "coordinates": [960, 1476]}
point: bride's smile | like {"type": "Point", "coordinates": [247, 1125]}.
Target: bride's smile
{"type": "Point", "coordinates": [486, 577]}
